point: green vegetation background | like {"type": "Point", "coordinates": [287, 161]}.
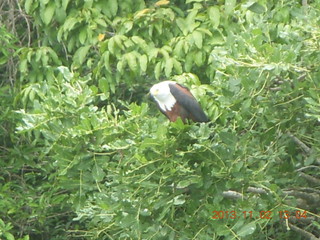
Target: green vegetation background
{"type": "Point", "coordinates": [85, 154]}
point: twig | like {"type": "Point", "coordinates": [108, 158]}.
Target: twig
{"type": "Point", "coordinates": [275, 89]}
{"type": "Point", "coordinates": [307, 167]}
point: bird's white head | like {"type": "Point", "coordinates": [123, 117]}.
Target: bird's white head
{"type": "Point", "coordinates": [161, 93]}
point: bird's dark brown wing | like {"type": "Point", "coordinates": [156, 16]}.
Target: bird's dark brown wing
{"type": "Point", "coordinates": [185, 98]}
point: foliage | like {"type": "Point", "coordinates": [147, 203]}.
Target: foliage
{"type": "Point", "coordinates": [86, 154]}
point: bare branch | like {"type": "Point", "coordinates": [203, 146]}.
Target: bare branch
{"type": "Point", "coordinates": [309, 197]}
{"type": "Point", "coordinates": [304, 233]}
{"type": "Point", "coordinates": [256, 190]}
{"type": "Point", "coordinates": [300, 143]}
{"type": "Point", "coordinates": [232, 194]}
{"type": "Point", "coordinates": [310, 178]}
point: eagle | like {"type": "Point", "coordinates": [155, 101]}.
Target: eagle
{"type": "Point", "coordinates": [176, 101]}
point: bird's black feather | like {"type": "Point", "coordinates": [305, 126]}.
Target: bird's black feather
{"type": "Point", "coordinates": [188, 102]}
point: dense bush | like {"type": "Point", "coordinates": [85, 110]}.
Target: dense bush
{"type": "Point", "coordinates": [86, 154]}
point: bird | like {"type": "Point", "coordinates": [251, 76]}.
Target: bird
{"type": "Point", "coordinates": [175, 100]}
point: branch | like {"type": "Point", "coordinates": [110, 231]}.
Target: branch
{"type": "Point", "coordinates": [232, 194]}
{"type": "Point", "coordinates": [300, 143]}
{"type": "Point", "coordinates": [310, 178]}
{"type": "Point", "coordinates": [311, 198]}
{"type": "Point", "coordinates": [256, 190]}
{"type": "Point", "coordinates": [305, 148]}
{"type": "Point", "coordinates": [302, 232]}
{"type": "Point", "coordinates": [236, 195]}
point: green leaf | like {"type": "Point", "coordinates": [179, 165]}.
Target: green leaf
{"type": "Point", "coordinates": [228, 138]}
{"type": "Point", "coordinates": [182, 25]}
{"type": "Point", "coordinates": [190, 1]}
{"type": "Point", "coordinates": [143, 61]}
{"type": "Point", "coordinates": [187, 182]}
{"type": "Point", "coordinates": [229, 5]}
{"type": "Point", "coordinates": [106, 58]}
{"type": "Point", "coordinates": [141, 43]}
{"type": "Point", "coordinates": [65, 4]}
{"type": "Point", "coordinates": [128, 26]}
{"type": "Point", "coordinates": [214, 15]}
{"type": "Point", "coordinates": [66, 73]}
{"type": "Point", "coordinates": [257, 8]}
{"type": "Point", "coordinates": [48, 12]}
{"type": "Point", "coordinates": [247, 229]}
{"type": "Point", "coordinates": [121, 64]}
{"type": "Point", "coordinates": [189, 62]}
{"type": "Point", "coordinates": [44, 2]}
{"type": "Point", "coordinates": [119, 39]}
{"type": "Point", "coordinates": [101, 22]}
{"type": "Point", "coordinates": [27, 6]}
{"type": "Point", "coordinates": [168, 67]}
{"type": "Point", "coordinates": [111, 45]}
{"type": "Point", "coordinates": [177, 66]}
{"type": "Point", "coordinates": [69, 23]}
{"type": "Point", "coordinates": [83, 35]}
{"type": "Point", "coordinates": [8, 236]}
{"type": "Point", "coordinates": [98, 173]}
{"type": "Point", "coordinates": [178, 48]}
{"type": "Point", "coordinates": [80, 54]}
{"type": "Point", "coordinates": [197, 37]}
{"type": "Point", "coordinates": [132, 61]}
{"type": "Point", "coordinates": [157, 70]}
{"type": "Point", "coordinates": [54, 56]}
{"type": "Point", "coordinates": [111, 7]}
{"type": "Point", "coordinates": [179, 200]}
{"type": "Point", "coordinates": [198, 59]}
{"type": "Point", "coordinates": [103, 85]}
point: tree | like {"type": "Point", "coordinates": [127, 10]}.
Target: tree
{"type": "Point", "coordinates": [89, 156]}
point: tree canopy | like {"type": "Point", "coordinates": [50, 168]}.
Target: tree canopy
{"type": "Point", "coordinates": [85, 154]}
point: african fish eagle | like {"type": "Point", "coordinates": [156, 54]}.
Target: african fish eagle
{"type": "Point", "coordinates": [175, 100]}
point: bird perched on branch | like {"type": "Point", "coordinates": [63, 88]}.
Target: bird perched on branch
{"type": "Point", "coordinates": [175, 100]}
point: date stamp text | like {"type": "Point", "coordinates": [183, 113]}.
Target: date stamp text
{"type": "Point", "coordinates": [285, 214]}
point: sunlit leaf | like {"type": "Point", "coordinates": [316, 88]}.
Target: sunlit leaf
{"type": "Point", "coordinates": [214, 15]}
{"type": "Point", "coordinates": [27, 5]}
{"type": "Point", "coordinates": [132, 61]}
{"type": "Point", "coordinates": [101, 37]}
{"type": "Point", "coordinates": [197, 37]}
{"type": "Point", "coordinates": [157, 70]}
{"type": "Point", "coordinates": [229, 6]}
{"type": "Point", "coordinates": [161, 3]}
{"type": "Point", "coordinates": [168, 67]}
{"type": "Point", "coordinates": [48, 13]}
{"type": "Point", "coordinates": [142, 12]}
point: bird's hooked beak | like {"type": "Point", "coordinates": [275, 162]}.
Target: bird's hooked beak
{"type": "Point", "coordinates": [149, 94]}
